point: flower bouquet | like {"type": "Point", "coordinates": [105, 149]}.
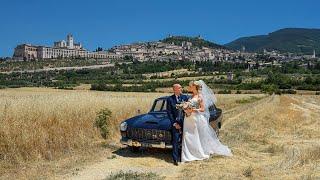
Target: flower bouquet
{"type": "Point", "coordinates": [186, 105]}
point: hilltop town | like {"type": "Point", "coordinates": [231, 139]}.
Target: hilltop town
{"type": "Point", "coordinates": [172, 48]}
{"type": "Point", "coordinates": [147, 51]}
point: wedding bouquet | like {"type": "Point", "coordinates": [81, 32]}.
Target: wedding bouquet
{"type": "Point", "coordinates": [185, 105]}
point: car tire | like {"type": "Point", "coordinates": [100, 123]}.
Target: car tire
{"type": "Point", "coordinates": [217, 131]}
{"type": "Point", "coordinates": [134, 149]}
{"type": "Point", "coordinates": [215, 127]}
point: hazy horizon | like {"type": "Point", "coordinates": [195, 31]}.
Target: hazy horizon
{"type": "Point", "coordinates": [105, 24]}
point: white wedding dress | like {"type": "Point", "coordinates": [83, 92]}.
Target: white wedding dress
{"type": "Point", "coordinates": [199, 139]}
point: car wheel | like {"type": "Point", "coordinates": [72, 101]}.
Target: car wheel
{"type": "Point", "coordinates": [134, 149]}
{"type": "Point", "coordinates": [217, 131]}
{"type": "Point", "coordinates": [215, 127]}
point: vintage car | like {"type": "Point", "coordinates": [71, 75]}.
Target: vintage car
{"type": "Point", "coordinates": [154, 128]}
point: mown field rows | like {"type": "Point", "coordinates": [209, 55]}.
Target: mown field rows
{"type": "Point", "coordinates": [276, 138]}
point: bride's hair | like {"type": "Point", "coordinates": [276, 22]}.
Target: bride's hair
{"type": "Point", "coordinates": [197, 84]}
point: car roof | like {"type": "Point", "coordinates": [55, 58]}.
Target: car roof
{"type": "Point", "coordinates": [166, 97]}
{"type": "Point", "coordinates": [163, 98]}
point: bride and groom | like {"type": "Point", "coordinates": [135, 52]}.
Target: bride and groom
{"type": "Point", "coordinates": [192, 136]}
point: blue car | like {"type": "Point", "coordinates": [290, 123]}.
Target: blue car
{"type": "Point", "coordinates": [154, 128]}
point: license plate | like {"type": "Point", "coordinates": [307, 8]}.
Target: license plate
{"type": "Point", "coordinates": [135, 143]}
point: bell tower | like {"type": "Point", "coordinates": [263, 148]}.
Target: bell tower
{"type": "Point", "coordinates": [314, 54]}
{"type": "Point", "coordinates": [70, 41]}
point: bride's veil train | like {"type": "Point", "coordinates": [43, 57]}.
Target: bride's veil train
{"type": "Point", "coordinates": [209, 98]}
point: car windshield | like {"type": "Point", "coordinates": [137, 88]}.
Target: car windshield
{"type": "Point", "coordinates": [160, 105]}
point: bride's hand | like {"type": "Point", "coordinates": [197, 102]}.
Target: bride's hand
{"type": "Point", "coordinates": [195, 110]}
{"type": "Point", "coordinates": [188, 111]}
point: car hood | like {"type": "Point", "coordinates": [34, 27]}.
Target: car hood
{"type": "Point", "coordinates": [150, 121]}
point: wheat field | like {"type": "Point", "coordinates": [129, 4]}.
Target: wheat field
{"type": "Point", "coordinates": [41, 123]}
{"type": "Point", "coordinates": [276, 137]}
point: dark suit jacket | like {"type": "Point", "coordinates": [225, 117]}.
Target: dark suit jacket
{"type": "Point", "coordinates": [173, 112]}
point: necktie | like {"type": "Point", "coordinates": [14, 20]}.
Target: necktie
{"type": "Point", "coordinates": [179, 98]}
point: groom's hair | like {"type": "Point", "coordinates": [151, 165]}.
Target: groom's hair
{"type": "Point", "coordinates": [176, 85]}
{"type": "Point", "coordinates": [176, 88]}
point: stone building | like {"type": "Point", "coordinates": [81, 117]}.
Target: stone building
{"type": "Point", "coordinates": [26, 52]}
{"type": "Point", "coordinates": [61, 49]}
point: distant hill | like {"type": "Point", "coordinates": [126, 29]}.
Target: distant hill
{"type": "Point", "coordinates": [196, 41]}
{"type": "Point", "coordinates": [295, 40]}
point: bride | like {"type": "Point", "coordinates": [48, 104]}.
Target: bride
{"type": "Point", "coordinates": [199, 139]}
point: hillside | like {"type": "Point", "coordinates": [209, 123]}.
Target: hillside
{"type": "Point", "coordinates": [196, 41]}
{"type": "Point", "coordinates": [295, 40]}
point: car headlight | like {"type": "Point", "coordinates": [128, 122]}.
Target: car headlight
{"type": "Point", "coordinates": [123, 126]}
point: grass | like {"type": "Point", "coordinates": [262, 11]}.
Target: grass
{"type": "Point", "coordinates": [31, 65]}
{"type": "Point", "coordinates": [247, 172]}
{"type": "Point", "coordinates": [248, 100]}
{"type": "Point", "coordinates": [269, 141]}
{"type": "Point", "coordinates": [133, 176]}
{"type": "Point", "coordinates": [44, 124]}
{"type": "Point", "coordinates": [274, 137]}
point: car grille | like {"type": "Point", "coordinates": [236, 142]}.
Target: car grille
{"type": "Point", "coordinates": [141, 134]}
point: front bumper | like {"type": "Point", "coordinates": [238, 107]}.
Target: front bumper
{"type": "Point", "coordinates": [130, 142]}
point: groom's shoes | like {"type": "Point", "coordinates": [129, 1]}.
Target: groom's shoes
{"type": "Point", "coordinates": [176, 163]}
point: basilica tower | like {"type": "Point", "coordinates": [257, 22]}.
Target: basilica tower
{"type": "Point", "coordinates": [70, 41]}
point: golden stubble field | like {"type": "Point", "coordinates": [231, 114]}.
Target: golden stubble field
{"type": "Point", "coordinates": [38, 122]}
{"type": "Point", "coordinates": [274, 137]}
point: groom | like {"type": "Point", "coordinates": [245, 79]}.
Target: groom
{"type": "Point", "coordinates": [176, 117]}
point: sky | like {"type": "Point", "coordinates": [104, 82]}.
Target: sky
{"type": "Point", "coordinates": [105, 23]}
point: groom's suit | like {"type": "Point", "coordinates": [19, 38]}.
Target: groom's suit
{"type": "Point", "coordinates": [176, 116]}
